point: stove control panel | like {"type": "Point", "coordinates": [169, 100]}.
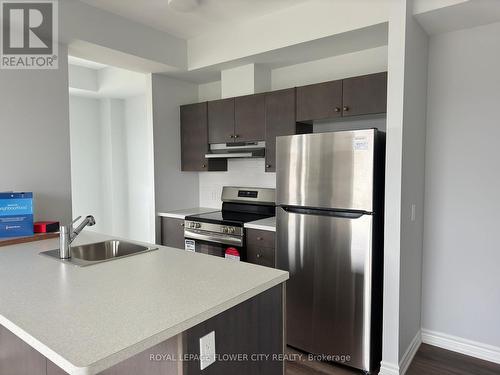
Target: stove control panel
{"type": "Point", "coordinates": [192, 225]}
{"type": "Point", "coordinates": [215, 228]}
{"type": "Point", "coordinates": [228, 230]}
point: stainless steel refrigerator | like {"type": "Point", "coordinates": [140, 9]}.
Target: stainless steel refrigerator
{"type": "Point", "coordinates": [330, 239]}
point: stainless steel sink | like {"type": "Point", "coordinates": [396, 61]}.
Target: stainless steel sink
{"type": "Point", "coordinates": [86, 255]}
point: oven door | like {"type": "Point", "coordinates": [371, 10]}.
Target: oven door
{"type": "Point", "coordinates": [212, 243]}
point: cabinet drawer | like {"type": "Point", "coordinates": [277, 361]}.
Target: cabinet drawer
{"type": "Point", "coordinates": [172, 232]}
{"type": "Point", "coordinates": [260, 238]}
{"type": "Point", "coordinates": [263, 256]}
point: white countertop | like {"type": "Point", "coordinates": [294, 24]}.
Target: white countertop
{"type": "Point", "coordinates": [268, 224]}
{"type": "Point", "coordinates": [181, 214]}
{"type": "Point", "coordinates": [87, 319]}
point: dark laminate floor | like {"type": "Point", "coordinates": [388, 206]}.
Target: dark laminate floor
{"type": "Point", "coordinates": [428, 361]}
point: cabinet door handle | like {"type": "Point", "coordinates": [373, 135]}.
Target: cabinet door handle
{"type": "Point", "coordinates": [236, 136]}
{"type": "Point", "coordinates": [346, 108]}
{"type": "Point", "coordinates": [259, 238]}
{"type": "Point", "coordinates": [336, 109]}
{"type": "Point", "coordinates": [268, 165]}
{"type": "Point", "coordinates": [182, 224]}
{"type": "Point", "coordinates": [259, 256]}
{"type": "Point", "coordinates": [203, 165]}
{"type": "Point", "coordinates": [231, 136]}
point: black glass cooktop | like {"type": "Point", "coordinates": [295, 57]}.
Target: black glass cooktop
{"type": "Point", "coordinates": [233, 218]}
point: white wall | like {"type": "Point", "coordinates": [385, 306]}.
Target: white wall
{"type": "Point", "coordinates": [34, 127]}
{"type": "Point", "coordinates": [238, 81]}
{"type": "Point", "coordinates": [173, 189]}
{"type": "Point", "coordinates": [367, 61]}
{"type": "Point", "coordinates": [393, 165]}
{"type": "Point", "coordinates": [115, 170]}
{"type": "Point", "coordinates": [310, 20]}
{"type": "Point", "coordinates": [82, 78]}
{"type": "Point", "coordinates": [34, 105]}
{"type": "Point", "coordinates": [413, 184]}
{"type": "Point", "coordinates": [405, 165]}
{"type": "Point", "coordinates": [112, 165]}
{"type": "Point", "coordinates": [209, 91]}
{"type": "Point", "coordinates": [140, 165]}
{"type": "Point", "coordinates": [86, 159]}
{"type": "Point", "coordinates": [461, 248]}
{"type": "Point", "coordinates": [245, 80]}
{"type": "Point", "coordinates": [241, 172]}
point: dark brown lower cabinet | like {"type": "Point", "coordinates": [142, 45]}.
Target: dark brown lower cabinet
{"type": "Point", "coordinates": [252, 330]}
{"type": "Point", "coordinates": [53, 369]}
{"type": "Point", "coordinates": [172, 232]}
{"type": "Point", "coordinates": [16, 357]}
{"type": "Point", "coordinates": [263, 256]}
{"type": "Point", "coordinates": [261, 247]}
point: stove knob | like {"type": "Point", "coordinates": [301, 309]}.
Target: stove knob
{"type": "Point", "coordinates": [231, 230]}
{"type": "Point", "coordinates": [225, 230]}
{"type": "Point", "coordinates": [197, 225]}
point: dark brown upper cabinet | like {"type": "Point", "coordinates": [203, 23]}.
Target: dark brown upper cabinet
{"type": "Point", "coordinates": [240, 119]}
{"type": "Point", "coordinates": [269, 115]}
{"type": "Point", "coordinates": [194, 140]}
{"type": "Point", "coordinates": [319, 101]}
{"type": "Point", "coordinates": [280, 120]}
{"type": "Point", "coordinates": [221, 121]}
{"type": "Point", "coordinates": [250, 118]}
{"type": "Point", "coordinates": [365, 95]}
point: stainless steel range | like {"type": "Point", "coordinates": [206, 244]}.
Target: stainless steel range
{"type": "Point", "coordinates": [213, 233]}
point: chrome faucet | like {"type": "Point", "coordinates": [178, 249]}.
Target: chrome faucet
{"type": "Point", "coordinates": [67, 234]}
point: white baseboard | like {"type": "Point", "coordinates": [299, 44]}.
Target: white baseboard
{"type": "Point", "coordinates": [387, 368]}
{"type": "Point", "coordinates": [410, 353]}
{"type": "Point", "coordinates": [460, 345]}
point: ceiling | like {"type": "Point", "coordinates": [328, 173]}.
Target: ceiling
{"type": "Point", "coordinates": [459, 15]}
{"type": "Point", "coordinates": [209, 15]}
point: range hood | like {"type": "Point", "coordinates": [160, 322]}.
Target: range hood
{"type": "Point", "coordinates": [237, 150]}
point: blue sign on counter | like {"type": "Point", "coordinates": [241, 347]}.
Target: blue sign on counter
{"type": "Point", "coordinates": [16, 214]}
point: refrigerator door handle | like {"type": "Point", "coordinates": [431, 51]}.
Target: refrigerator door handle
{"type": "Point", "coordinates": [351, 214]}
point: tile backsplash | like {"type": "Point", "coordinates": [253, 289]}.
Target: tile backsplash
{"type": "Point", "coordinates": [241, 172]}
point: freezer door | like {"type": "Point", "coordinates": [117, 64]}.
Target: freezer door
{"type": "Point", "coordinates": [329, 290]}
{"type": "Point", "coordinates": [326, 170]}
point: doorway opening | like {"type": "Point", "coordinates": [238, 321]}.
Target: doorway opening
{"type": "Point", "coordinates": [111, 138]}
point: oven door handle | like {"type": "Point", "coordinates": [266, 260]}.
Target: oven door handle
{"type": "Point", "coordinates": [213, 237]}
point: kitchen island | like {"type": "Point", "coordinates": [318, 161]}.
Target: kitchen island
{"type": "Point", "coordinates": [139, 314]}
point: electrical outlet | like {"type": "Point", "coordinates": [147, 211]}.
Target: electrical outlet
{"type": "Point", "coordinates": [207, 350]}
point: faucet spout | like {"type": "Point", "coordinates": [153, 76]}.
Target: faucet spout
{"type": "Point", "coordinates": [88, 221]}
{"type": "Point", "coordinates": [67, 235]}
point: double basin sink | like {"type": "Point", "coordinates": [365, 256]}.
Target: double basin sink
{"type": "Point", "coordinates": [86, 255]}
